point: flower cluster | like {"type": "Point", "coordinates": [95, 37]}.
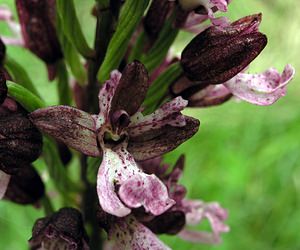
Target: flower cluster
{"type": "Point", "coordinates": [141, 90]}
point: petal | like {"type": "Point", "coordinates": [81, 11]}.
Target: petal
{"type": "Point", "coordinates": [261, 89]}
{"type": "Point", "coordinates": [161, 141]}
{"type": "Point", "coordinates": [167, 114]}
{"type": "Point", "coordinates": [199, 237]}
{"type": "Point", "coordinates": [4, 180]}
{"type": "Point", "coordinates": [148, 191]}
{"type": "Point", "coordinates": [131, 89]}
{"type": "Point", "coordinates": [110, 172]}
{"type": "Point", "coordinates": [105, 96]}
{"type": "Point", "coordinates": [72, 126]}
{"type": "Point", "coordinates": [196, 211]}
{"type": "Point", "coordinates": [136, 188]}
{"type": "Point", "coordinates": [129, 234]}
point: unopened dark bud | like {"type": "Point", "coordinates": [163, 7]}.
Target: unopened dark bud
{"type": "Point", "coordinates": [62, 230]}
{"type": "Point", "coordinates": [25, 187]}
{"type": "Point", "coordinates": [38, 28]}
{"type": "Point", "coordinates": [170, 222]}
{"type": "Point", "coordinates": [156, 17]}
{"type": "Point", "coordinates": [135, 81]}
{"type": "Point", "coordinates": [218, 54]}
{"type": "Point", "coordinates": [20, 141]}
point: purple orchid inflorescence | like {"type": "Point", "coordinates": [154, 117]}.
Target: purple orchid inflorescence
{"type": "Point", "coordinates": [124, 186]}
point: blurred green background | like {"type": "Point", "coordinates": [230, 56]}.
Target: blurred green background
{"type": "Point", "coordinates": [245, 156]}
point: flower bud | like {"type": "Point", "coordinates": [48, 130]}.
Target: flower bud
{"type": "Point", "coordinates": [20, 141]}
{"type": "Point", "coordinates": [38, 29]}
{"type": "Point", "coordinates": [62, 230]}
{"type": "Point", "coordinates": [25, 187]}
{"type": "Point", "coordinates": [219, 53]}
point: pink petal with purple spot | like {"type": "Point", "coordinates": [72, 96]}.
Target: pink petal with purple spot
{"type": "Point", "coordinates": [118, 168]}
{"type": "Point", "coordinates": [148, 191]}
{"type": "Point", "coordinates": [129, 234]}
{"type": "Point", "coordinates": [112, 170]}
{"type": "Point", "coordinates": [261, 89]}
{"type": "Point", "coordinates": [4, 180]}
{"type": "Point", "coordinates": [167, 114]}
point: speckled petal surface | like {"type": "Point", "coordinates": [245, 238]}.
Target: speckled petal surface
{"type": "Point", "coordinates": [167, 114]}
{"type": "Point", "coordinates": [72, 126]}
{"type": "Point", "coordinates": [4, 180]}
{"type": "Point", "coordinates": [162, 140]}
{"type": "Point", "coordinates": [129, 234]}
{"type": "Point", "coordinates": [261, 89]}
{"type": "Point", "coordinates": [147, 191]}
{"type": "Point", "coordinates": [118, 168]}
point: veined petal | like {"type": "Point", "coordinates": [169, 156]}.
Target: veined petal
{"type": "Point", "coordinates": [72, 126]}
{"type": "Point", "coordinates": [167, 114]}
{"type": "Point", "coordinates": [4, 180]}
{"type": "Point", "coordinates": [162, 140]}
{"type": "Point", "coordinates": [129, 234]}
{"type": "Point", "coordinates": [261, 89]}
{"type": "Point", "coordinates": [147, 191]}
{"type": "Point", "coordinates": [105, 96]}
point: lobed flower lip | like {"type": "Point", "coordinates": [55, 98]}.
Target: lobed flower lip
{"type": "Point", "coordinates": [136, 188]}
{"type": "Point", "coordinates": [261, 89]}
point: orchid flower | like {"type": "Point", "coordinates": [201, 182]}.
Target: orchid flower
{"type": "Point", "coordinates": [122, 134]}
{"type": "Point", "coordinates": [194, 211]}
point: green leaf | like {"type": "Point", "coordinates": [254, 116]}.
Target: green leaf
{"type": "Point", "coordinates": [18, 73]}
{"type": "Point", "coordinates": [64, 93]}
{"type": "Point", "coordinates": [130, 15]}
{"type": "Point", "coordinates": [158, 52]}
{"type": "Point", "coordinates": [159, 88]}
{"type": "Point", "coordinates": [23, 96]}
{"type": "Point", "coordinates": [70, 54]}
{"type": "Point", "coordinates": [71, 27]}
